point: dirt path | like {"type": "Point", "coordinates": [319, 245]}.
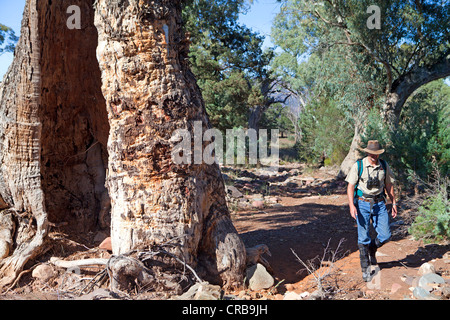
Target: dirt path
{"type": "Point", "coordinates": [307, 222]}
{"type": "Point", "coordinates": [304, 225]}
{"type": "Point", "coordinates": [297, 209]}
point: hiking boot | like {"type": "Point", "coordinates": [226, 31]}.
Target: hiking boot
{"type": "Point", "coordinates": [364, 260]}
{"type": "Point", "coordinates": [366, 274]}
{"type": "Point", "coordinates": [372, 252]}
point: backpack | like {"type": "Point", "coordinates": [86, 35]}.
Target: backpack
{"type": "Point", "coordinates": [357, 192]}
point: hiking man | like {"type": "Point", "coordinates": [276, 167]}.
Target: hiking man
{"type": "Point", "coordinates": [367, 181]}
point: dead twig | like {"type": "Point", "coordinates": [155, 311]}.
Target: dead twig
{"type": "Point", "coordinates": [18, 278]}
{"type": "Point", "coordinates": [325, 268]}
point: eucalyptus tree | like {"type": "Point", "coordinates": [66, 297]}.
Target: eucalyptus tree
{"type": "Point", "coordinates": [390, 47]}
{"type": "Point", "coordinates": [229, 63]}
{"type": "Point", "coordinates": [8, 39]}
{"type": "Point", "coordinates": [99, 105]}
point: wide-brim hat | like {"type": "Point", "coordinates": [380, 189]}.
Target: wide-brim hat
{"type": "Point", "coordinates": [373, 147]}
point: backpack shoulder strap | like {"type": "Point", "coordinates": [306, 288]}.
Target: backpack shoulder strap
{"type": "Point", "coordinates": [360, 168]}
{"type": "Point", "coordinates": [383, 164]}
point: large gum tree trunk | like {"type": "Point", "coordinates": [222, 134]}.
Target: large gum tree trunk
{"type": "Point", "coordinates": [53, 134]}
{"type": "Point", "coordinates": [352, 155]}
{"type": "Point", "coordinates": [20, 134]}
{"type": "Point", "coordinates": [150, 93]}
{"type": "Point", "coordinates": [81, 108]}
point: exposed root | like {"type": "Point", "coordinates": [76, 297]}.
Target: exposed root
{"type": "Point", "coordinates": [28, 249]}
{"type": "Point", "coordinates": [158, 271]}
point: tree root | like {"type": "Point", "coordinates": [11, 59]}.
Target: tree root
{"type": "Point", "coordinates": [156, 271]}
{"type": "Point", "coordinates": [12, 266]}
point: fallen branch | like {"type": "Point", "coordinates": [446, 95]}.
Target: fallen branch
{"type": "Point", "coordinates": [77, 263]}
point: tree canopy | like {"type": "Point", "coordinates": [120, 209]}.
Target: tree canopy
{"type": "Point", "coordinates": [8, 39]}
{"type": "Point", "coordinates": [413, 36]}
{"type": "Point", "coordinates": [329, 51]}
{"type": "Point", "coordinates": [227, 59]}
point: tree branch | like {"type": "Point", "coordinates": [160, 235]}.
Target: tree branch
{"type": "Point", "coordinates": [419, 76]}
{"type": "Point", "coordinates": [341, 24]}
{"type": "Point", "coordinates": [406, 84]}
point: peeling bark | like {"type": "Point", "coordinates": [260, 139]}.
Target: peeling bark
{"type": "Point", "coordinates": [20, 134]}
{"type": "Point", "coordinates": [352, 155]}
{"type": "Point", "coordinates": [69, 123]}
{"type": "Point", "coordinates": [53, 131]}
{"type": "Point", "coordinates": [150, 92]}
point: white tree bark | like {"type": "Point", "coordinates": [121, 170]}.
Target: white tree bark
{"type": "Point", "coordinates": [60, 108]}
{"type": "Point", "coordinates": [150, 92]}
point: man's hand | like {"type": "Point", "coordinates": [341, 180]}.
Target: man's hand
{"type": "Point", "coordinates": [350, 190]}
{"type": "Point", "coordinates": [394, 210]}
{"type": "Point", "coordinates": [390, 192]}
{"type": "Point", "coordinates": [353, 211]}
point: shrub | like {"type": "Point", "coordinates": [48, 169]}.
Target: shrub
{"type": "Point", "coordinates": [432, 222]}
{"type": "Point", "coordinates": [326, 133]}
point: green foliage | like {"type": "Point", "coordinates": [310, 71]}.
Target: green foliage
{"type": "Point", "coordinates": [276, 117]}
{"type": "Point", "coordinates": [325, 133]}
{"type": "Point", "coordinates": [432, 223]}
{"type": "Point", "coordinates": [8, 39]}
{"type": "Point", "coordinates": [227, 60]}
{"type": "Point", "coordinates": [412, 33]}
{"type": "Point", "coordinates": [327, 48]}
{"type": "Point", "coordinates": [227, 101]}
{"type": "Point", "coordinates": [422, 137]}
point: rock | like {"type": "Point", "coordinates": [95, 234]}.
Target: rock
{"type": "Point", "coordinates": [4, 249]}
{"type": "Point", "coordinates": [259, 278]}
{"type": "Point", "coordinates": [243, 204]}
{"type": "Point", "coordinates": [234, 192]}
{"type": "Point", "coordinates": [407, 279]}
{"type": "Point", "coordinates": [317, 295]}
{"type": "Point", "coordinates": [7, 227]}
{"type": "Point", "coordinates": [426, 268]}
{"type": "Point", "coordinates": [421, 293]}
{"type": "Point", "coordinates": [354, 295]}
{"type": "Point", "coordinates": [258, 204]}
{"type": "Point", "coordinates": [304, 295]}
{"type": "Point", "coordinates": [106, 244]}
{"type": "Point", "coordinates": [430, 278]}
{"type": "Point", "coordinates": [43, 272]}
{"type": "Point", "coordinates": [395, 287]}
{"type": "Point", "coordinates": [291, 295]}
{"type": "Point", "coordinates": [271, 199]}
{"type": "Point", "coordinates": [201, 291]}
{"type": "Point", "coordinates": [445, 291]}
